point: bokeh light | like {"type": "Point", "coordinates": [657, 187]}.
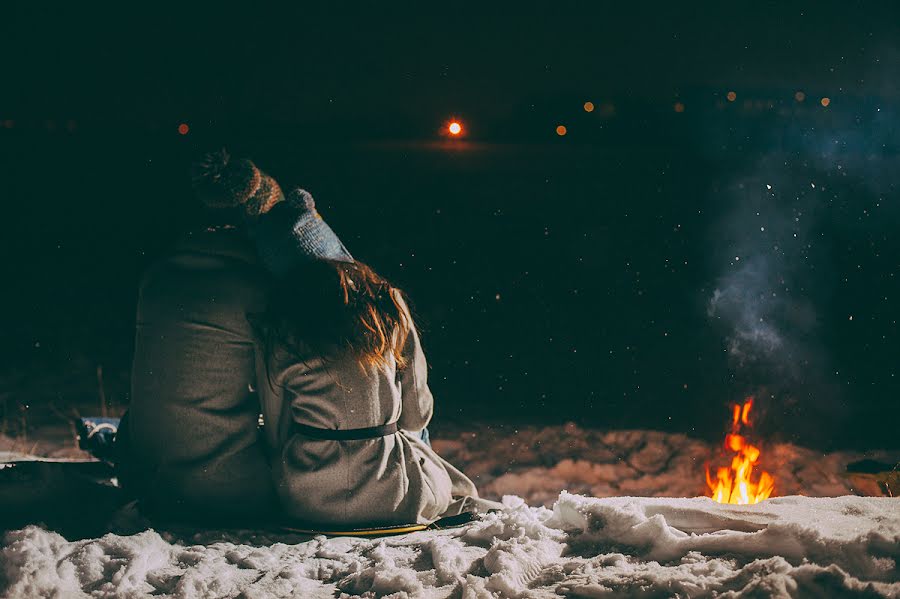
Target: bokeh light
{"type": "Point", "coordinates": [454, 128]}
{"type": "Point", "coordinates": [825, 101]}
{"type": "Point", "coordinates": [589, 107]}
{"type": "Point", "coordinates": [561, 130]}
{"type": "Point", "coordinates": [679, 107]}
{"type": "Point", "coordinates": [183, 129]}
{"type": "Point", "coordinates": [799, 96]}
{"type": "Point", "coordinates": [732, 96]}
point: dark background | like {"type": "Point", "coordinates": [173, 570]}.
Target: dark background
{"type": "Point", "coordinates": [556, 278]}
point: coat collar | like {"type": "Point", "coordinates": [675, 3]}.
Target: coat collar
{"type": "Point", "coordinates": [224, 240]}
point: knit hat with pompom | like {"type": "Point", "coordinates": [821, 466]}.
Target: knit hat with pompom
{"type": "Point", "coordinates": [223, 182]}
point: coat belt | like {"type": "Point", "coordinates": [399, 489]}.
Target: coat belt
{"type": "Point", "coordinates": [346, 434]}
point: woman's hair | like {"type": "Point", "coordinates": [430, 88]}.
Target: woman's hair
{"type": "Point", "coordinates": [329, 308]}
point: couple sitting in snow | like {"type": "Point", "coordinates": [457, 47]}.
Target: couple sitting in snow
{"type": "Point", "coordinates": [264, 311]}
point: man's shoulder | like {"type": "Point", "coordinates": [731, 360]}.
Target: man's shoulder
{"type": "Point", "coordinates": [211, 249]}
{"type": "Point", "coordinates": [225, 242]}
{"type": "Point", "coordinates": [204, 264]}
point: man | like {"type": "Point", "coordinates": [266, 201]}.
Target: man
{"type": "Point", "coordinates": [192, 428]}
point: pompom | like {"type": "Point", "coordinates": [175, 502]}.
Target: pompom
{"type": "Point", "coordinates": [221, 182]}
{"type": "Point", "coordinates": [209, 169]}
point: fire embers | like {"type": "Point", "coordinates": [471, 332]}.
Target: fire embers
{"type": "Point", "coordinates": [735, 484]}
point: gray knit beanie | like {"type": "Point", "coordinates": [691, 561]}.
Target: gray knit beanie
{"type": "Point", "coordinates": [294, 231]}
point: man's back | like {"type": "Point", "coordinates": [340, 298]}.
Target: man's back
{"type": "Point", "coordinates": [193, 419]}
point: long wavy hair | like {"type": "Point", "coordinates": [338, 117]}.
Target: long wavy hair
{"type": "Point", "coordinates": [329, 308]}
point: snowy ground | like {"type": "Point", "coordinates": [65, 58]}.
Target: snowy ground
{"type": "Point", "coordinates": [582, 547]}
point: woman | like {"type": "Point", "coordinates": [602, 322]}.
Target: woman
{"type": "Point", "coordinates": [343, 384]}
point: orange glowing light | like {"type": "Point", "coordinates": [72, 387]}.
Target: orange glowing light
{"type": "Point", "coordinates": [735, 484]}
{"type": "Point", "coordinates": [799, 96]}
{"type": "Point", "coordinates": [561, 130]}
{"type": "Point", "coordinates": [825, 101]}
{"type": "Point", "coordinates": [454, 128]}
{"type": "Point", "coordinates": [589, 107]}
{"type": "Point", "coordinates": [183, 129]}
{"type": "Point", "coordinates": [731, 96]}
{"type": "Point", "coordinates": [679, 107]}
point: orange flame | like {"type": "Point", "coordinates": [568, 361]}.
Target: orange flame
{"type": "Point", "coordinates": [735, 484]}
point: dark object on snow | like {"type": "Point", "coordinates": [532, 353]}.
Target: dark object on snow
{"type": "Point", "coordinates": [75, 498]}
{"type": "Point", "coordinates": [96, 435]}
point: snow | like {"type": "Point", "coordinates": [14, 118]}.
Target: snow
{"type": "Point", "coordinates": [583, 547]}
{"type": "Point", "coordinates": [545, 542]}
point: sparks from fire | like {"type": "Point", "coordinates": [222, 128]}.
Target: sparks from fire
{"type": "Point", "coordinates": [735, 484]}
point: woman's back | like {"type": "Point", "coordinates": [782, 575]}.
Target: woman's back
{"type": "Point", "coordinates": [391, 478]}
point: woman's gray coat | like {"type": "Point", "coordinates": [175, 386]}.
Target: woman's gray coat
{"type": "Point", "coordinates": [394, 479]}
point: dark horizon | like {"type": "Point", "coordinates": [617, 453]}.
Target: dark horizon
{"type": "Point", "coordinates": [307, 65]}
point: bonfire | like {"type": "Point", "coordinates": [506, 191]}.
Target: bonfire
{"type": "Point", "coordinates": [735, 484]}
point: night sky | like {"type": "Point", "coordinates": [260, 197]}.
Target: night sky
{"type": "Point", "coordinates": [721, 224]}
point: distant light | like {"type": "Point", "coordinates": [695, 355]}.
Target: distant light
{"type": "Point", "coordinates": [799, 96]}
{"type": "Point", "coordinates": [183, 129]}
{"type": "Point", "coordinates": [561, 130]}
{"type": "Point", "coordinates": [679, 107]}
{"type": "Point", "coordinates": [731, 96]}
{"type": "Point", "coordinates": [825, 101]}
{"type": "Point", "coordinates": [454, 128]}
{"type": "Point", "coordinates": [589, 107]}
